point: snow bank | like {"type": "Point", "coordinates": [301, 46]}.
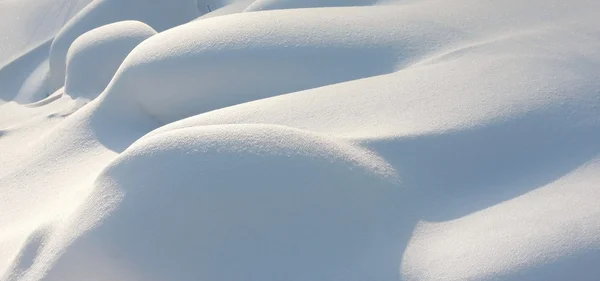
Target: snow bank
{"type": "Point", "coordinates": [95, 56]}
{"type": "Point", "coordinates": [223, 61]}
{"type": "Point", "coordinates": [159, 14]}
{"type": "Point", "coordinates": [432, 95]}
{"type": "Point", "coordinates": [241, 202]}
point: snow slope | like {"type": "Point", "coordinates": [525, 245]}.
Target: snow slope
{"type": "Point", "coordinates": [28, 23]}
{"type": "Point", "coordinates": [301, 140]}
{"type": "Point", "coordinates": [27, 28]}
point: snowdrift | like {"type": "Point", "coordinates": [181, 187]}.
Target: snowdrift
{"type": "Point", "coordinates": [210, 64]}
{"type": "Point", "coordinates": [301, 140]}
{"type": "Point", "coordinates": [159, 14]}
{"type": "Point", "coordinates": [269, 202]}
{"type": "Point", "coordinates": [95, 56]}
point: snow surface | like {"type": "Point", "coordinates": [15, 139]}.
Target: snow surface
{"type": "Point", "coordinates": [299, 140]}
{"type": "Point", "coordinates": [95, 56]}
{"type": "Point", "coordinates": [159, 14]}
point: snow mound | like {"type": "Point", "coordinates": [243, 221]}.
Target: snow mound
{"type": "Point", "coordinates": [268, 203]}
{"type": "Point", "coordinates": [223, 61]}
{"type": "Point", "coordinates": [433, 97]}
{"type": "Point", "coordinates": [95, 56]}
{"type": "Point", "coordinates": [159, 14]}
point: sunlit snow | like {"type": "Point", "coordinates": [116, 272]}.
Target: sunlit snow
{"type": "Point", "coordinates": [299, 140]}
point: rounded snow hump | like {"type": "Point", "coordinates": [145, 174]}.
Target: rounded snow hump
{"type": "Point", "coordinates": [95, 56]}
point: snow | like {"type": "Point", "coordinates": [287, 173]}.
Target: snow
{"type": "Point", "coordinates": [95, 56]}
{"type": "Point", "coordinates": [29, 23]}
{"type": "Point", "coordinates": [299, 140]}
{"type": "Point", "coordinates": [294, 197]}
{"type": "Point", "coordinates": [159, 14]}
{"type": "Point", "coordinates": [200, 63]}
{"type": "Point", "coordinates": [23, 80]}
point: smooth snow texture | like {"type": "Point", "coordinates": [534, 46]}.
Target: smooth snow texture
{"type": "Point", "coordinates": [420, 140]}
{"type": "Point", "coordinates": [27, 28]}
{"type": "Point", "coordinates": [26, 24]}
{"type": "Point", "coordinates": [159, 14]}
{"type": "Point", "coordinates": [94, 57]}
{"type": "Point", "coordinates": [24, 79]}
{"type": "Point", "coordinates": [309, 214]}
{"type": "Point", "coordinates": [212, 63]}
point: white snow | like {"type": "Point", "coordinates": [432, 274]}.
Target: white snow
{"type": "Point", "coordinates": [95, 56]}
{"type": "Point", "coordinates": [29, 23]}
{"type": "Point", "coordinates": [159, 14]}
{"type": "Point", "coordinates": [310, 194]}
{"type": "Point", "coordinates": [299, 140]}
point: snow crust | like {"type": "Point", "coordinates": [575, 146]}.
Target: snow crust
{"type": "Point", "coordinates": [299, 140]}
